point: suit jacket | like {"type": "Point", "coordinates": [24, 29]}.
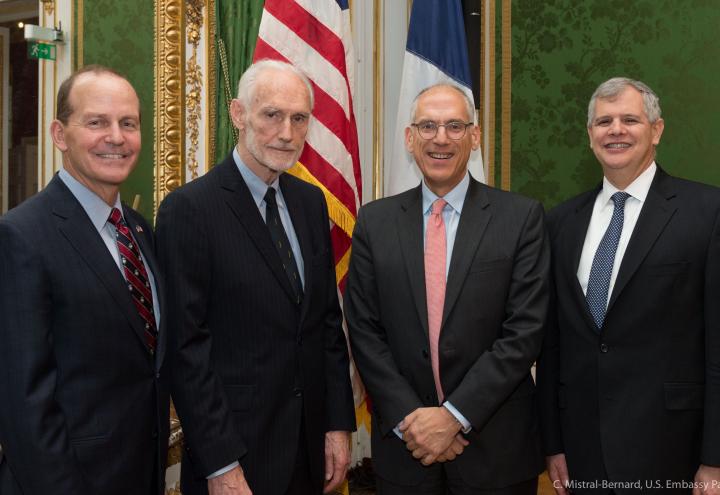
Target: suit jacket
{"type": "Point", "coordinates": [84, 402]}
{"type": "Point", "coordinates": [639, 400]}
{"type": "Point", "coordinates": [495, 305]}
{"type": "Point", "coordinates": [250, 365]}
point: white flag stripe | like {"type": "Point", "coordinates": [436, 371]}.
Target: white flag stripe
{"type": "Point", "coordinates": [333, 150]}
{"type": "Point", "coordinates": [326, 14]}
{"type": "Point", "coordinates": [402, 173]}
{"type": "Point", "coordinates": [317, 68]}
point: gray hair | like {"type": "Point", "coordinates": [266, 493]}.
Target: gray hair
{"type": "Point", "coordinates": [248, 81]}
{"type": "Point", "coordinates": [469, 108]}
{"type": "Point", "coordinates": [613, 87]}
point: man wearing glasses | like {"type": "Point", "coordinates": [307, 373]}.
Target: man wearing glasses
{"type": "Point", "coordinates": [446, 298]}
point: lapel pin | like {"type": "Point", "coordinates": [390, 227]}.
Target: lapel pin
{"type": "Point", "coordinates": [139, 229]}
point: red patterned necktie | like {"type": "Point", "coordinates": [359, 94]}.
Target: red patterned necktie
{"type": "Point", "coordinates": [435, 262]}
{"type": "Point", "coordinates": [136, 276]}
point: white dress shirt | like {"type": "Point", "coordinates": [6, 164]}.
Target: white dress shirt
{"type": "Point", "coordinates": [600, 220]}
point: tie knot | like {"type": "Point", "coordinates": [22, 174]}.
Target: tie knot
{"type": "Point", "coordinates": [115, 217]}
{"type": "Point", "coordinates": [270, 197]}
{"type": "Point", "coordinates": [619, 198]}
{"type": "Point", "coordinates": [437, 206]}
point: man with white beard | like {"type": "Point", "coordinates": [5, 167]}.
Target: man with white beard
{"type": "Point", "coordinates": [259, 361]}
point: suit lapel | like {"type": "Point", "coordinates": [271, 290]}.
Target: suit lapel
{"type": "Point", "coordinates": [294, 202]}
{"type": "Point", "coordinates": [410, 234]}
{"type": "Point", "coordinates": [574, 239]}
{"type": "Point", "coordinates": [147, 250]}
{"type": "Point", "coordinates": [238, 198]}
{"type": "Point", "coordinates": [654, 216]}
{"type": "Point", "coordinates": [474, 220]}
{"type": "Point", "coordinates": [77, 228]}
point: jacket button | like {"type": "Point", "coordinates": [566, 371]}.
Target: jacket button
{"type": "Point", "coordinates": [425, 353]}
{"type": "Point", "coordinates": [297, 391]}
{"type": "Point", "coordinates": [603, 348]}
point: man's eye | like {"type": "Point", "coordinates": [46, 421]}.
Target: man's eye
{"type": "Point", "coordinates": [273, 115]}
{"type": "Point", "coordinates": [299, 119]}
{"type": "Point", "coordinates": [428, 126]}
{"type": "Point", "coordinates": [602, 122]}
{"type": "Point", "coordinates": [454, 126]}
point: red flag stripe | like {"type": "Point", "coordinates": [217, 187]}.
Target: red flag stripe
{"type": "Point", "coordinates": [312, 31]}
{"type": "Point", "coordinates": [329, 176]}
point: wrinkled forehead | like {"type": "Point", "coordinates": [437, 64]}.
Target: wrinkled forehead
{"type": "Point", "coordinates": [103, 93]}
{"type": "Point", "coordinates": [282, 90]}
{"type": "Point", "coordinates": [442, 101]}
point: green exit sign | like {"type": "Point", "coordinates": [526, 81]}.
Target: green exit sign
{"type": "Point", "coordinates": [39, 50]}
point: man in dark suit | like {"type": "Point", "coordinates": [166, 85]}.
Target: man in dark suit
{"type": "Point", "coordinates": [629, 376]}
{"type": "Point", "coordinates": [260, 362]}
{"type": "Point", "coordinates": [84, 401]}
{"type": "Point", "coordinates": [448, 370]}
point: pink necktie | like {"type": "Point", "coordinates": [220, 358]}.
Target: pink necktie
{"type": "Point", "coordinates": [435, 257]}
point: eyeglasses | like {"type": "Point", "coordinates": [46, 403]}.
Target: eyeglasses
{"type": "Point", "coordinates": [455, 130]}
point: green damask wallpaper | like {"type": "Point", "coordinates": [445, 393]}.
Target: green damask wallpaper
{"type": "Point", "coordinates": [120, 35]}
{"type": "Point", "coordinates": [561, 51]}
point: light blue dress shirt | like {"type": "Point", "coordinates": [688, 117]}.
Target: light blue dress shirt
{"type": "Point", "coordinates": [99, 212]}
{"type": "Point", "coordinates": [451, 216]}
{"type": "Point", "coordinates": [258, 188]}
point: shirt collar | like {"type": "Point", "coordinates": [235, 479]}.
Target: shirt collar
{"type": "Point", "coordinates": [638, 188]}
{"type": "Point", "coordinates": [455, 198]}
{"type": "Point", "coordinates": [97, 210]}
{"type": "Point", "coordinates": [257, 187]}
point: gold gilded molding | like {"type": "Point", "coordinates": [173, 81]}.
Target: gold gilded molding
{"type": "Point", "coordinates": [377, 177]}
{"type": "Point", "coordinates": [506, 95]}
{"type": "Point", "coordinates": [487, 85]}
{"type": "Point", "coordinates": [194, 82]}
{"type": "Point", "coordinates": [49, 6]}
{"type": "Point", "coordinates": [2, 122]}
{"type": "Point", "coordinates": [80, 36]}
{"type": "Point", "coordinates": [210, 122]}
{"type": "Point", "coordinates": [169, 89]}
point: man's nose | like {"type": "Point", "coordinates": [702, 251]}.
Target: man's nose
{"type": "Point", "coordinates": [115, 135]}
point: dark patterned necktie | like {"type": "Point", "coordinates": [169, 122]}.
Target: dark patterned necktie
{"type": "Point", "coordinates": [602, 265]}
{"type": "Point", "coordinates": [136, 276]}
{"type": "Point", "coordinates": [282, 244]}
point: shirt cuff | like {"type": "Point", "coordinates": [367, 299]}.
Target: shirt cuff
{"type": "Point", "coordinates": [224, 470]}
{"type": "Point", "coordinates": [466, 426]}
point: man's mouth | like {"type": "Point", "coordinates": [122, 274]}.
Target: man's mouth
{"type": "Point", "coordinates": [615, 146]}
{"type": "Point", "coordinates": [112, 156]}
{"type": "Point", "coordinates": [440, 156]}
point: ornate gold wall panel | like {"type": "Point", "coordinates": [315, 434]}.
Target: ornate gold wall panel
{"type": "Point", "coordinates": [506, 96]}
{"type": "Point", "coordinates": [169, 97]}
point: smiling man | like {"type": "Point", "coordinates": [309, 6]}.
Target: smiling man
{"type": "Point", "coordinates": [260, 364]}
{"type": "Point", "coordinates": [445, 303]}
{"type": "Point", "coordinates": [630, 370]}
{"type": "Point", "coordinates": [84, 398]}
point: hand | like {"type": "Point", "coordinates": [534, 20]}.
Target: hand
{"type": "Point", "coordinates": [456, 448]}
{"type": "Point", "coordinates": [558, 473]}
{"type": "Point", "coordinates": [337, 458]}
{"type": "Point", "coordinates": [428, 432]}
{"type": "Point", "coordinates": [230, 483]}
{"type": "Point", "coordinates": [707, 480]}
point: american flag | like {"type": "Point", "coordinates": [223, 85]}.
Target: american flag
{"type": "Point", "coordinates": [315, 36]}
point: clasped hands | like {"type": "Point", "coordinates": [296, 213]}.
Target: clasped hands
{"type": "Point", "coordinates": [432, 434]}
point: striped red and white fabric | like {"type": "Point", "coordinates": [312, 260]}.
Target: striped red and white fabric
{"type": "Point", "coordinates": [315, 36]}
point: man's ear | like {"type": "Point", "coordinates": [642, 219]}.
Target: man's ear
{"type": "Point", "coordinates": [57, 133]}
{"type": "Point", "coordinates": [237, 114]}
{"type": "Point", "coordinates": [409, 139]}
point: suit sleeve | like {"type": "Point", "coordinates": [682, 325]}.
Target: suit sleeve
{"type": "Point", "coordinates": [33, 430]}
{"type": "Point", "coordinates": [548, 376]}
{"type": "Point", "coordinates": [339, 405]}
{"type": "Point", "coordinates": [711, 431]}
{"type": "Point", "coordinates": [498, 371]}
{"type": "Point", "coordinates": [211, 438]}
{"type": "Point", "coordinates": [392, 396]}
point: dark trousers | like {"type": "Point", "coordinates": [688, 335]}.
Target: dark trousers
{"type": "Point", "coordinates": [301, 481]}
{"type": "Point", "coordinates": [444, 479]}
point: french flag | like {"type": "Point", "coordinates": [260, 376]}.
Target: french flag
{"type": "Point", "coordinates": [436, 52]}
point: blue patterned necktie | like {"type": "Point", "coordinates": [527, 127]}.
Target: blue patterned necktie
{"type": "Point", "coordinates": [602, 265]}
